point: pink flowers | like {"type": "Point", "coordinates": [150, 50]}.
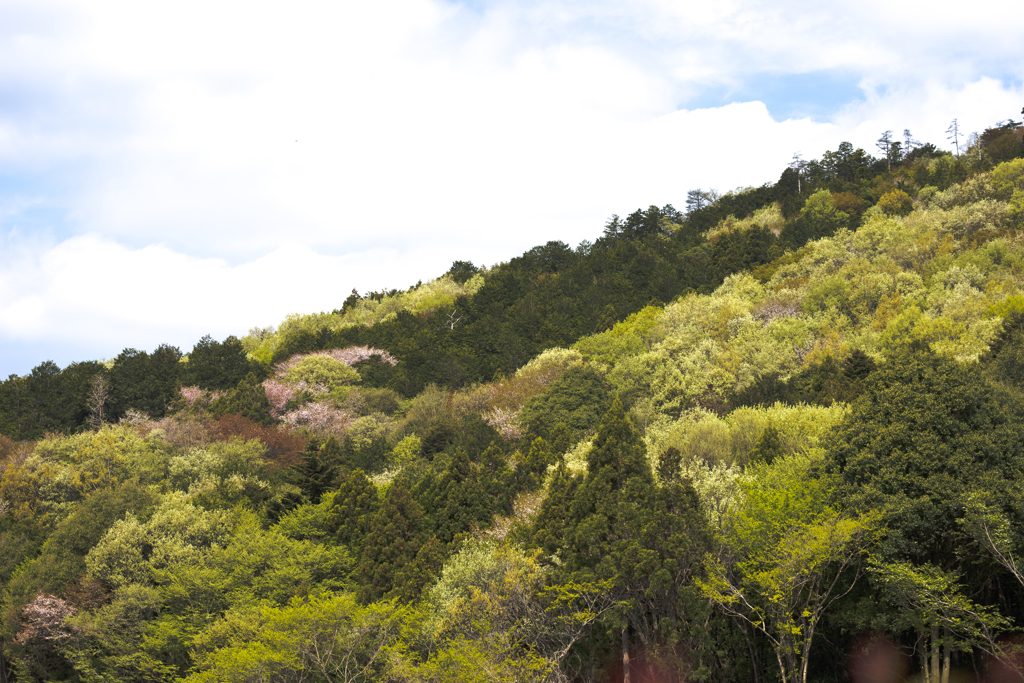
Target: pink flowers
{"type": "Point", "coordinates": [190, 394]}
{"type": "Point", "coordinates": [278, 394]}
{"type": "Point", "coordinates": [44, 619]}
{"type": "Point", "coordinates": [506, 422]}
{"type": "Point", "coordinates": [349, 356]}
{"type": "Point", "coordinates": [320, 418]}
{"type": "Point", "coordinates": [193, 394]}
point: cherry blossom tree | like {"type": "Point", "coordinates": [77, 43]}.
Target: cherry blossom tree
{"type": "Point", "coordinates": [44, 620]}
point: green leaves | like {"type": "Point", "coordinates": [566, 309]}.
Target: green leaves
{"type": "Point", "coordinates": [935, 598]}
{"type": "Point", "coordinates": [924, 431]}
{"type": "Point", "coordinates": [394, 539]}
{"type": "Point", "coordinates": [330, 637]}
{"type": "Point", "coordinates": [785, 557]}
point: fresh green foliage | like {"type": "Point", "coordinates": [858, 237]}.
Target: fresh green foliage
{"type": "Point", "coordinates": [786, 557]}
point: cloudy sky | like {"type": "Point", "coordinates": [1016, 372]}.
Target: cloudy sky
{"type": "Point", "coordinates": [169, 170]}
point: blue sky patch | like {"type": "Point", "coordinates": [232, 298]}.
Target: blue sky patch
{"type": "Point", "coordinates": [817, 95]}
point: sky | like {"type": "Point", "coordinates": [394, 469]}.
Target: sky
{"type": "Point", "coordinates": [171, 170]}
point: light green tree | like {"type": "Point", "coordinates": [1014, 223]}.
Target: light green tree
{"type": "Point", "coordinates": [933, 602]}
{"type": "Point", "coordinates": [326, 637]}
{"type": "Point", "coordinates": [786, 556]}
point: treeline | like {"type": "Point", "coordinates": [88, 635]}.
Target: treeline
{"type": "Point", "coordinates": [83, 395]}
{"type": "Point", "coordinates": [553, 295]}
{"type": "Point", "coordinates": [549, 296]}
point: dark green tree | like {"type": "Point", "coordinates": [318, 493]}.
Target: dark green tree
{"type": "Point", "coordinates": [458, 502]}
{"type": "Point", "coordinates": [438, 438]}
{"type": "Point", "coordinates": [461, 271]}
{"type": "Point", "coordinates": [216, 365]}
{"type": "Point", "coordinates": [858, 365]}
{"type": "Point", "coordinates": [669, 463]}
{"type": "Point", "coordinates": [412, 579]}
{"type": "Point", "coordinates": [615, 525]}
{"type": "Point", "coordinates": [393, 541]}
{"type": "Point", "coordinates": [924, 435]}
{"type": "Point", "coordinates": [921, 432]}
{"type": "Point", "coordinates": [605, 539]}
{"type": "Point", "coordinates": [144, 382]}
{"type": "Point", "coordinates": [355, 503]}
{"type": "Point", "coordinates": [768, 447]}
{"type": "Point", "coordinates": [534, 465]}
{"type": "Point", "coordinates": [578, 398]}
{"type": "Point", "coordinates": [248, 399]}
{"type": "Point", "coordinates": [318, 471]}
{"type": "Point", "coordinates": [618, 481]}
{"type": "Point", "coordinates": [48, 399]}
{"type": "Point", "coordinates": [497, 480]}
{"type": "Point", "coordinates": [551, 525]}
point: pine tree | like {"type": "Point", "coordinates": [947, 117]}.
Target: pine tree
{"type": "Point", "coordinates": [768, 447]}
{"type": "Point", "coordinates": [354, 506]}
{"type": "Point", "coordinates": [609, 513]}
{"type": "Point", "coordinates": [496, 480]}
{"type": "Point", "coordinates": [460, 501]}
{"type": "Point", "coordinates": [615, 525]}
{"type": "Point", "coordinates": [319, 469]}
{"type": "Point", "coordinates": [669, 463]}
{"type": "Point", "coordinates": [393, 541]}
{"type": "Point", "coordinates": [602, 519]}
{"type": "Point", "coordinates": [421, 572]}
{"type": "Point", "coordinates": [550, 526]}
{"type": "Point", "coordinates": [858, 366]}
{"type": "Point", "coordinates": [535, 464]}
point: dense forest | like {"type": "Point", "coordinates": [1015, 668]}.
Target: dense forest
{"type": "Point", "coordinates": [776, 436]}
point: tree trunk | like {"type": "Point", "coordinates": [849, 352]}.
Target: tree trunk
{"type": "Point", "coordinates": [782, 666]}
{"type": "Point", "coordinates": [755, 661]}
{"type": "Point", "coordinates": [591, 656]}
{"type": "Point", "coordinates": [806, 654]}
{"type": "Point", "coordinates": [945, 654]}
{"type": "Point", "coordinates": [625, 654]}
{"type": "Point", "coordinates": [933, 676]}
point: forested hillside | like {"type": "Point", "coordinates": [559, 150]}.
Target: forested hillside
{"type": "Point", "coordinates": [776, 437]}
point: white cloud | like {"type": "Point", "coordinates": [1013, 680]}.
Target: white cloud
{"type": "Point", "coordinates": [92, 291]}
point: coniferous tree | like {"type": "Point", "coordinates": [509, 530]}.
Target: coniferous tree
{"type": "Point", "coordinates": [496, 480]}
{"type": "Point", "coordinates": [551, 525]}
{"type": "Point", "coordinates": [217, 365]}
{"type": "Point", "coordinates": [610, 509]}
{"type": "Point", "coordinates": [393, 541]}
{"type": "Point", "coordinates": [355, 503]}
{"type": "Point", "coordinates": [925, 433]}
{"type": "Point", "coordinates": [646, 542]}
{"type": "Point", "coordinates": [144, 382]}
{"type": "Point", "coordinates": [768, 447]}
{"type": "Point", "coordinates": [412, 579]}
{"type": "Point", "coordinates": [535, 463]}
{"type": "Point", "coordinates": [248, 399]}
{"type": "Point", "coordinates": [459, 500]}
{"type": "Point", "coordinates": [669, 463]}
{"type": "Point", "coordinates": [319, 469]}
